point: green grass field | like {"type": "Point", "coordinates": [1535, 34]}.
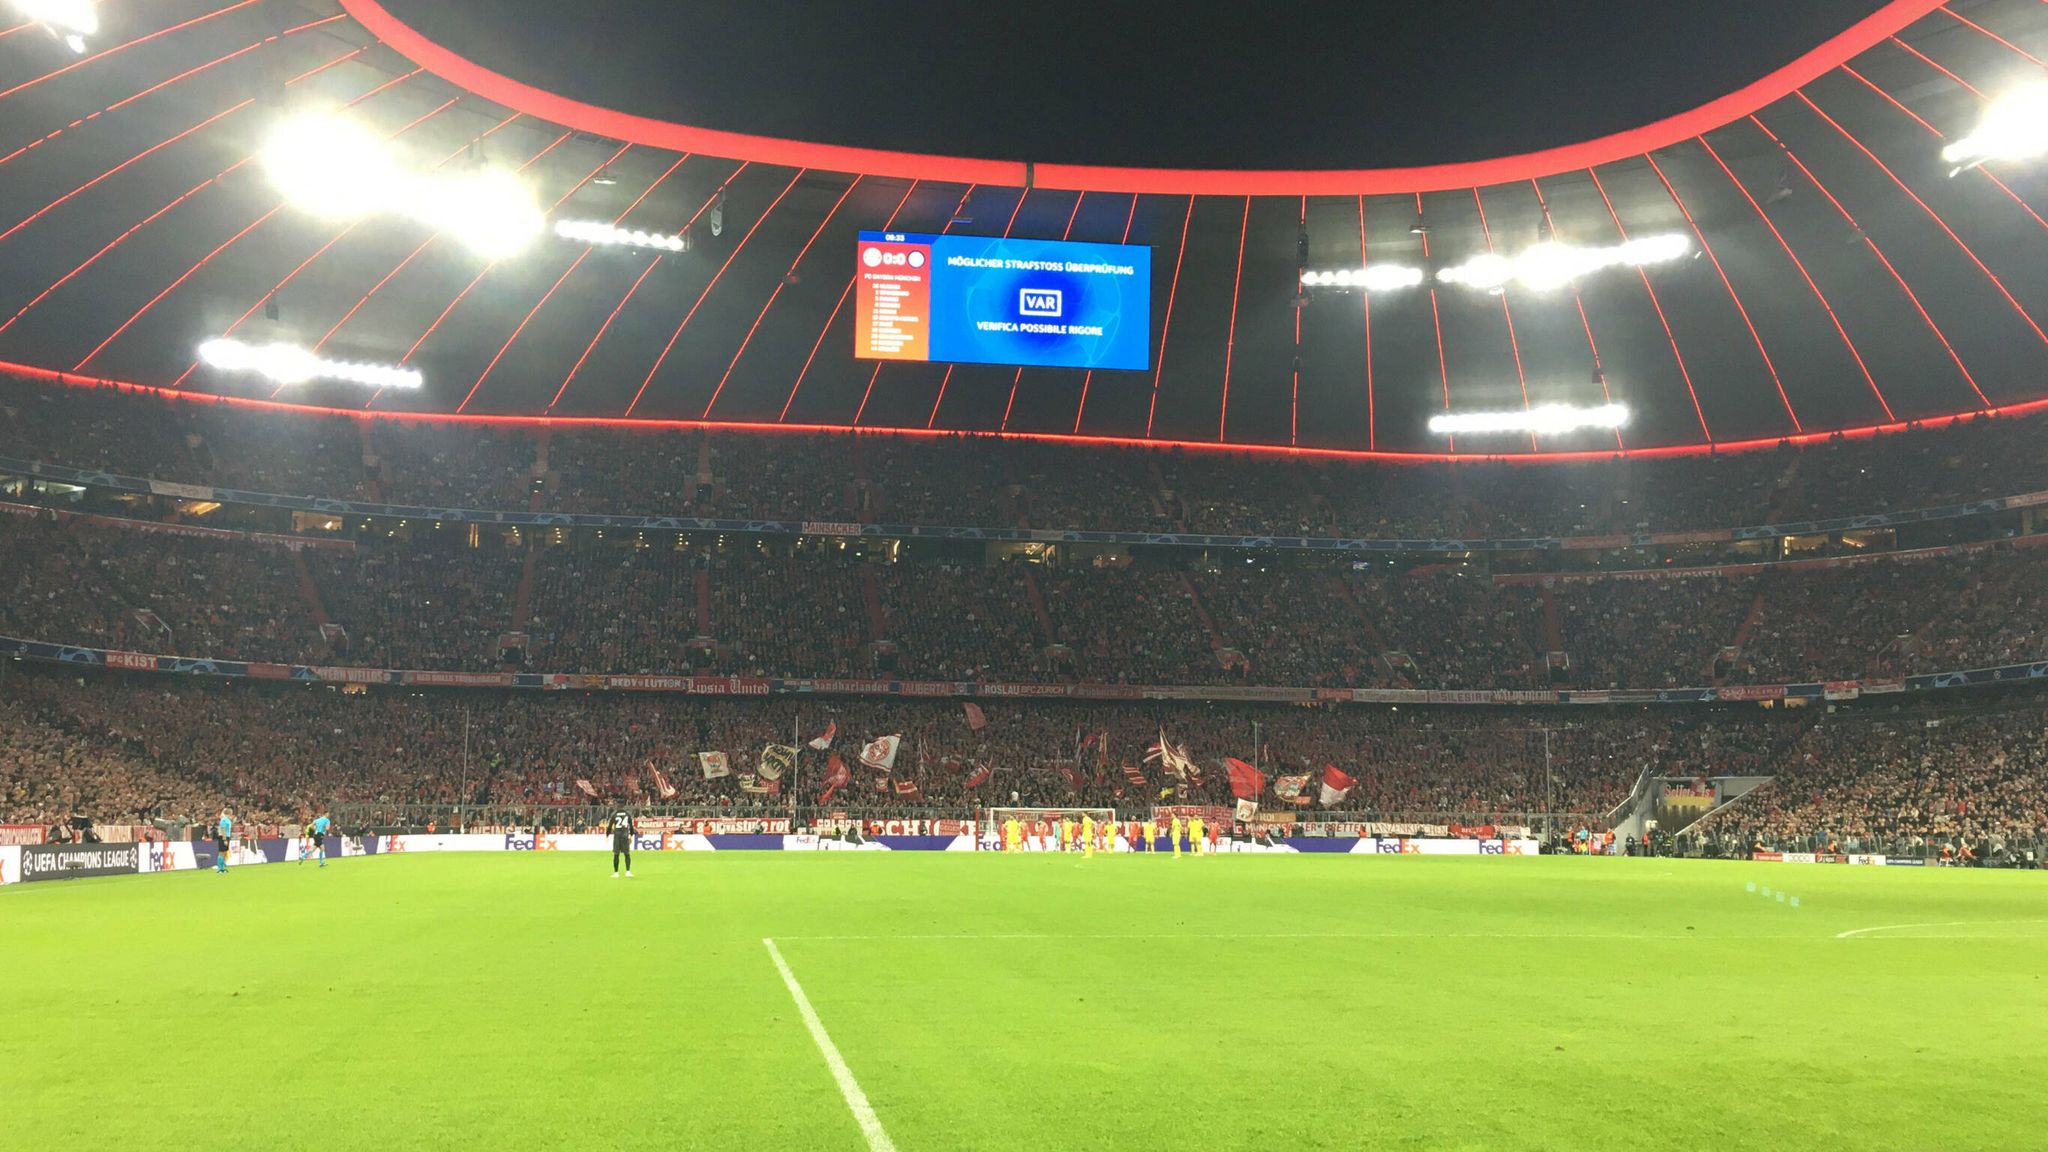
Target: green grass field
{"type": "Point", "coordinates": [987, 1002]}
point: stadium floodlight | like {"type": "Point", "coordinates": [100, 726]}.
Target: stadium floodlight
{"type": "Point", "coordinates": [333, 167]}
{"type": "Point", "coordinates": [74, 19]}
{"type": "Point", "coordinates": [490, 210]}
{"type": "Point", "coordinates": [1552, 265]}
{"type": "Point", "coordinates": [1544, 420]}
{"type": "Point", "coordinates": [336, 168]}
{"type": "Point", "coordinates": [2014, 127]}
{"type": "Point", "coordinates": [599, 233]}
{"type": "Point", "coordinates": [1372, 277]}
{"type": "Point", "coordinates": [290, 364]}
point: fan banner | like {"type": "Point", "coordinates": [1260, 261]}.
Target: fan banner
{"type": "Point", "coordinates": [1247, 811]}
{"type": "Point", "coordinates": [716, 765]}
{"type": "Point", "coordinates": [759, 787]}
{"type": "Point", "coordinates": [1289, 788]}
{"type": "Point", "coordinates": [880, 754]}
{"type": "Point", "coordinates": [776, 759]}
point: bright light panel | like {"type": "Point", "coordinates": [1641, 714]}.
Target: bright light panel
{"type": "Point", "coordinates": [1372, 277]}
{"type": "Point", "coordinates": [1552, 265]}
{"type": "Point", "coordinates": [2014, 127]}
{"type": "Point", "coordinates": [597, 232]}
{"type": "Point", "coordinates": [72, 16]}
{"type": "Point", "coordinates": [335, 168]}
{"type": "Point", "coordinates": [290, 364]}
{"type": "Point", "coordinates": [1545, 419]}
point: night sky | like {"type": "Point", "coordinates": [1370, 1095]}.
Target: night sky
{"type": "Point", "coordinates": [1147, 83]}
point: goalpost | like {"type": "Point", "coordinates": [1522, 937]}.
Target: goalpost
{"type": "Point", "coordinates": [1040, 829]}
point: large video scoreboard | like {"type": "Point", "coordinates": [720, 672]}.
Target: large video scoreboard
{"type": "Point", "coordinates": [989, 300]}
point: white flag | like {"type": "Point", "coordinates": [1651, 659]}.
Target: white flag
{"type": "Point", "coordinates": [881, 754]}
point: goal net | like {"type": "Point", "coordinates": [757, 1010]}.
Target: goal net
{"type": "Point", "coordinates": [1039, 829]}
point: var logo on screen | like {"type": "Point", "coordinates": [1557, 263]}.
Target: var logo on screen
{"type": "Point", "coordinates": [1049, 302]}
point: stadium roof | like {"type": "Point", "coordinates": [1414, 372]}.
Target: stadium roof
{"type": "Point", "coordinates": [1842, 279]}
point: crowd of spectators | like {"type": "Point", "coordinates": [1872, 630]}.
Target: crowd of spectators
{"type": "Point", "coordinates": [991, 482]}
{"type": "Point", "coordinates": [157, 748]}
{"type": "Point", "coordinates": [433, 603]}
{"type": "Point", "coordinates": [451, 600]}
{"type": "Point", "coordinates": [1667, 633]}
{"type": "Point", "coordinates": [129, 750]}
{"type": "Point", "coordinates": [1456, 630]}
{"type": "Point", "coordinates": [1900, 782]}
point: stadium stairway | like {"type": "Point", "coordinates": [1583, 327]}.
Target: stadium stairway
{"type": "Point", "coordinates": [1749, 622]}
{"type": "Point", "coordinates": [871, 595]}
{"type": "Point", "coordinates": [309, 591]}
{"type": "Point", "coordinates": [537, 493]}
{"type": "Point", "coordinates": [372, 490]}
{"type": "Point", "coordinates": [1217, 641]}
{"type": "Point", "coordinates": [1791, 493]}
{"type": "Point", "coordinates": [1372, 630]}
{"type": "Point", "coordinates": [702, 583]}
{"type": "Point", "coordinates": [1553, 631]}
{"type": "Point", "coordinates": [522, 600]}
{"type": "Point", "coordinates": [707, 479]}
{"type": "Point", "coordinates": [1038, 608]}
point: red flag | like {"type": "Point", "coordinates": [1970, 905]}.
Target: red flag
{"type": "Point", "coordinates": [975, 719]}
{"type": "Point", "coordinates": [1246, 782]}
{"type": "Point", "coordinates": [1075, 781]}
{"type": "Point", "coordinates": [979, 776]}
{"type": "Point", "coordinates": [836, 777]}
{"type": "Point", "coordinates": [823, 740]}
{"type": "Point", "coordinates": [1134, 775]}
{"type": "Point", "coordinates": [1336, 785]}
{"type": "Point", "coordinates": [584, 785]}
{"type": "Point", "coordinates": [907, 788]}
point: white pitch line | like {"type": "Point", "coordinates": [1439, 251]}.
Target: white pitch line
{"type": "Point", "coordinates": [1855, 932]}
{"type": "Point", "coordinates": [856, 1100]}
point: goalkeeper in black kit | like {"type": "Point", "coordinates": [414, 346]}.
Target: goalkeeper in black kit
{"type": "Point", "coordinates": [622, 842]}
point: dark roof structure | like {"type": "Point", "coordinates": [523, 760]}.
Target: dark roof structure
{"type": "Point", "coordinates": [1843, 279]}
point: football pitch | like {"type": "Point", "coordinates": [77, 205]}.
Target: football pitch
{"type": "Point", "coordinates": [1000, 1002]}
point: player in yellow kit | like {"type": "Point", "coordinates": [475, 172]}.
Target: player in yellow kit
{"type": "Point", "coordinates": [1012, 834]}
{"type": "Point", "coordinates": [1087, 835]}
{"type": "Point", "coordinates": [1173, 835]}
{"type": "Point", "coordinates": [1150, 831]}
{"type": "Point", "coordinates": [1195, 835]}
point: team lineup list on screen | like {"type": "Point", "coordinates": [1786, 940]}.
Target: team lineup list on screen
{"type": "Point", "coordinates": [992, 300]}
